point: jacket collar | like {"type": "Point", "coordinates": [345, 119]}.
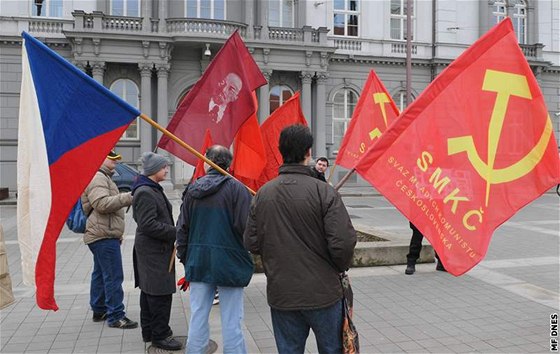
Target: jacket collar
{"type": "Point", "coordinates": [296, 168]}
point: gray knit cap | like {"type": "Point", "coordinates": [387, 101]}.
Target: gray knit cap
{"type": "Point", "coordinates": [152, 163]}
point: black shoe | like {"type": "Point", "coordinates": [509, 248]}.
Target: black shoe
{"type": "Point", "coordinates": [146, 339]}
{"type": "Point", "coordinates": [168, 343]}
{"type": "Point", "coordinates": [99, 316]}
{"type": "Point", "coordinates": [124, 323]}
{"type": "Point", "coordinates": [410, 269]}
{"type": "Point", "coordinates": [440, 267]}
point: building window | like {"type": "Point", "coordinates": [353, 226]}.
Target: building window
{"type": "Point", "coordinates": [125, 8]}
{"type": "Point", "coordinates": [398, 19]}
{"type": "Point", "coordinates": [279, 95]}
{"type": "Point", "coordinates": [344, 103]}
{"type": "Point", "coordinates": [500, 11]}
{"type": "Point", "coordinates": [128, 91]}
{"type": "Point", "coordinates": [400, 99]}
{"type": "Point", "coordinates": [346, 17]}
{"type": "Point", "coordinates": [520, 20]}
{"type": "Point", "coordinates": [49, 8]}
{"type": "Point", "coordinates": [212, 9]}
{"type": "Point", "coordinates": [281, 13]}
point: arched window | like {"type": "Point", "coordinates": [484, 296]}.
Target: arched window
{"type": "Point", "coordinates": [520, 20]}
{"type": "Point", "coordinates": [50, 8]}
{"type": "Point", "coordinates": [128, 91]}
{"type": "Point", "coordinates": [279, 95]}
{"type": "Point", "coordinates": [500, 11]}
{"type": "Point", "coordinates": [344, 103]}
{"type": "Point", "coordinates": [212, 9]}
{"type": "Point", "coordinates": [125, 8]}
{"type": "Point", "coordinates": [400, 99]}
{"type": "Point", "coordinates": [281, 13]}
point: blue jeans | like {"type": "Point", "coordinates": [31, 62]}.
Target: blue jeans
{"type": "Point", "coordinates": [291, 329]}
{"type": "Point", "coordinates": [231, 311]}
{"type": "Point", "coordinates": [106, 292]}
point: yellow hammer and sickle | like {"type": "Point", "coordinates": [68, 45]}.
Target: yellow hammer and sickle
{"type": "Point", "coordinates": [505, 85]}
{"type": "Point", "coordinates": [379, 98]}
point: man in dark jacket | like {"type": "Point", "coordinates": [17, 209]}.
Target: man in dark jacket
{"type": "Point", "coordinates": [321, 165]}
{"type": "Point", "coordinates": [210, 245]}
{"type": "Point", "coordinates": [153, 248]}
{"type": "Point", "coordinates": [301, 229]}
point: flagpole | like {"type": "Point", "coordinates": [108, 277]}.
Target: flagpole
{"type": "Point", "coordinates": [344, 179]}
{"type": "Point", "coordinates": [331, 173]}
{"type": "Point", "coordinates": [190, 149]}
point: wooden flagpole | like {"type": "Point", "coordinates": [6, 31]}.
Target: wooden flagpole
{"type": "Point", "coordinates": [344, 179]}
{"type": "Point", "coordinates": [195, 153]}
{"type": "Point", "coordinates": [331, 173]}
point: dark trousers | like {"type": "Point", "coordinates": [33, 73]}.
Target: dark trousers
{"type": "Point", "coordinates": [415, 246]}
{"type": "Point", "coordinates": [155, 311]}
{"type": "Point", "coordinates": [291, 329]}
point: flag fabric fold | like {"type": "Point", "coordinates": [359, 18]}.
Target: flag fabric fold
{"type": "Point", "coordinates": [199, 169]}
{"type": "Point", "coordinates": [220, 101]}
{"type": "Point", "coordinates": [287, 114]}
{"type": "Point", "coordinates": [374, 112]}
{"type": "Point", "coordinates": [67, 124]}
{"type": "Point", "coordinates": [475, 147]}
{"type": "Point", "coordinates": [249, 156]}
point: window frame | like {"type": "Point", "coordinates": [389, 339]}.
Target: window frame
{"type": "Point", "coordinates": [281, 101]}
{"type": "Point", "coordinates": [520, 19]}
{"type": "Point", "coordinates": [125, 136]}
{"type": "Point", "coordinates": [500, 10]}
{"type": "Point", "coordinates": [401, 17]}
{"type": "Point", "coordinates": [212, 8]}
{"type": "Point", "coordinates": [281, 13]}
{"type": "Point", "coordinates": [346, 12]}
{"type": "Point", "coordinates": [46, 9]}
{"type": "Point", "coordinates": [125, 8]}
{"type": "Point", "coordinates": [346, 91]}
{"type": "Point", "coordinates": [400, 101]}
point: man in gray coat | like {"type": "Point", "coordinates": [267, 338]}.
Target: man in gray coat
{"type": "Point", "coordinates": [301, 229]}
{"type": "Point", "coordinates": [153, 248]}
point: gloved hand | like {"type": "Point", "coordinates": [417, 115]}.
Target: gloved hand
{"type": "Point", "coordinates": [183, 284]}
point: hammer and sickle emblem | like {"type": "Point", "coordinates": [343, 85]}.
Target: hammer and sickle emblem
{"type": "Point", "coordinates": [505, 85]}
{"type": "Point", "coordinates": [379, 98]}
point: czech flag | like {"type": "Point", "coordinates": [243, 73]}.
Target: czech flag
{"type": "Point", "coordinates": [68, 123]}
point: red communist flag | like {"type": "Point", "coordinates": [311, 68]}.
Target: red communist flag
{"type": "Point", "coordinates": [287, 114]}
{"type": "Point", "coordinates": [199, 170]}
{"type": "Point", "coordinates": [220, 101]}
{"type": "Point", "coordinates": [373, 114]}
{"type": "Point", "coordinates": [475, 147]}
{"type": "Point", "coordinates": [249, 157]}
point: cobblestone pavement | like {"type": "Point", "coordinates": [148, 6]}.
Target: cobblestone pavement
{"type": "Point", "coordinates": [502, 305]}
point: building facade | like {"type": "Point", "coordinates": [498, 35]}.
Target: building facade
{"type": "Point", "coordinates": [151, 52]}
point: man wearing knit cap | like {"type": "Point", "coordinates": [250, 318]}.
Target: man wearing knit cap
{"type": "Point", "coordinates": [210, 245]}
{"type": "Point", "coordinates": [104, 231]}
{"type": "Point", "coordinates": [153, 248]}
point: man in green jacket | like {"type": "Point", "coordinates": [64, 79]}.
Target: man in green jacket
{"type": "Point", "coordinates": [301, 229]}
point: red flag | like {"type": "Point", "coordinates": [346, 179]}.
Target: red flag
{"type": "Point", "coordinates": [199, 170]}
{"type": "Point", "coordinates": [249, 157]}
{"type": "Point", "coordinates": [475, 147]}
{"type": "Point", "coordinates": [220, 101]}
{"type": "Point", "coordinates": [287, 114]}
{"type": "Point", "coordinates": [373, 114]}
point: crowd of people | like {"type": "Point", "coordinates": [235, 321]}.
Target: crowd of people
{"type": "Point", "coordinates": [297, 223]}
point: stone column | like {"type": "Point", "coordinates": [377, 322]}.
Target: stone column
{"type": "Point", "coordinates": [97, 70]}
{"type": "Point", "coordinates": [249, 18]}
{"type": "Point", "coordinates": [162, 15]}
{"type": "Point", "coordinates": [306, 79]}
{"type": "Point", "coordinates": [264, 99]}
{"type": "Point", "coordinates": [319, 126]}
{"type": "Point", "coordinates": [163, 117]}
{"type": "Point", "coordinates": [146, 13]}
{"type": "Point", "coordinates": [146, 143]}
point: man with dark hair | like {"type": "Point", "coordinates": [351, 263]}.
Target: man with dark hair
{"type": "Point", "coordinates": [321, 165]}
{"type": "Point", "coordinates": [210, 245]}
{"type": "Point", "coordinates": [302, 231]}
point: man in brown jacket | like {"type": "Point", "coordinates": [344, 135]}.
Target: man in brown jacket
{"type": "Point", "coordinates": [301, 229]}
{"type": "Point", "coordinates": [104, 230]}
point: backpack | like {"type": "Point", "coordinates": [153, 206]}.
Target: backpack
{"type": "Point", "coordinates": [77, 219]}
